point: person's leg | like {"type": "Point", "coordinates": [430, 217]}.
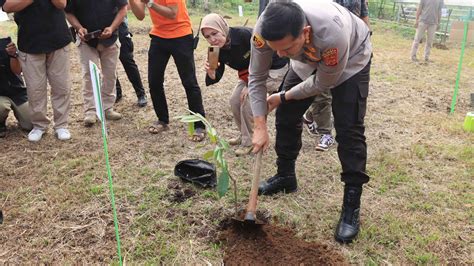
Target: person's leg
{"type": "Point", "coordinates": [158, 57]}
{"type": "Point", "coordinates": [108, 62]}
{"type": "Point", "coordinates": [183, 55]}
{"type": "Point", "coordinates": [86, 54]}
{"type": "Point", "coordinates": [131, 68]}
{"type": "Point", "coordinates": [349, 106]}
{"type": "Point", "coordinates": [431, 31]}
{"type": "Point", "coordinates": [5, 107]}
{"type": "Point", "coordinates": [118, 89]}
{"type": "Point", "coordinates": [420, 31]}
{"type": "Point", "coordinates": [58, 69]}
{"type": "Point", "coordinates": [289, 126]}
{"type": "Point", "coordinates": [22, 114]}
{"type": "Point", "coordinates": [322, 116]}
{"type": "Point", "coordinates": [34, 72]}
{"type": "Point", "coordinates": [242, 122]}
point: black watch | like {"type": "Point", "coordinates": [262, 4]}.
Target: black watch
{"type": "Point", "coordinates": [282, 97]}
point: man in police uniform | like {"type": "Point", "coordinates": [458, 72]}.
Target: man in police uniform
{"type": "Point", "coordinates": [328, 38]}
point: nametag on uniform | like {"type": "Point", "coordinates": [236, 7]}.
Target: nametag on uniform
{"type": "Point", "coordinates": [330, 57]}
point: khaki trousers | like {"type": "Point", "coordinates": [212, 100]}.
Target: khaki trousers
{"type": "Point", "coordinates": [21, 112]}
{"type": "Point", "coordinates": [320, 112]}
{"type": "Point", "coordinates": [420, 32]}
{"type": "Point", "coordinates": [38, 70]}
{"type": "Point", "coordinates": [242, 111]}
{"type": "Point", "coordinates": [106, 58]}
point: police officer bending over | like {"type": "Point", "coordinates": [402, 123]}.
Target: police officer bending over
{"type": "Point", "coordinates": [320, 36]}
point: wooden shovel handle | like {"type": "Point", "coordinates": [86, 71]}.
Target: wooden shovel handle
{"type": "Point", "coordinates": [252, 206]}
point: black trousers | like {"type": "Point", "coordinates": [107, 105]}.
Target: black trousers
{"type": "Point", "coordinates": [131, 68]}
{"type": "Point", "coordinates": [349, 102]}
{"type": "Point", "coordinates": [181, 49]}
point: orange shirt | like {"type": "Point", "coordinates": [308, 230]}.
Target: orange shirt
{"type": "Point", "coordinates": [171, 28]}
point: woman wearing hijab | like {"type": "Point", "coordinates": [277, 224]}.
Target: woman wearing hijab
{"type": "Point", "coordinates": [234, 44]}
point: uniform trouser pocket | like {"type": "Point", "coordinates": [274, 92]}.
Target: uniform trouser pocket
{"type": "Point", "coordinates": [349, 106]}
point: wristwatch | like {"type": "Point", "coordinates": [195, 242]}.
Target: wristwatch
{"type": "Point", "coordinates": [15, 55]}
{"type": "Point", "coordinates": [282, 97]}
{"type": "Point", "coordinates": [150, 3]}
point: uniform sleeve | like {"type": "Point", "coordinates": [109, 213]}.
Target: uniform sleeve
{"type": "Point", "coordinates": [219, 74]}
{"type": "Point", "coordinates": [329, 70]}
{"type": "Point", "coordinates": [364, 10]}
{"type": "Point", "coordinates": [260, 64]}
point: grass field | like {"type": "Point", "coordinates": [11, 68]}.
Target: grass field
{"type": "Point", "coordinates": [417, 208]}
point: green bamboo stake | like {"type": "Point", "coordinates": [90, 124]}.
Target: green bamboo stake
{"type": "Point", "coordinates": [109, 172]}
{"type": "Point", "coordinates": [458, 75]}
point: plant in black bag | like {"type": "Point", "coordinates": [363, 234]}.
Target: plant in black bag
{"type": "Point", "coordinates": [216, 154]}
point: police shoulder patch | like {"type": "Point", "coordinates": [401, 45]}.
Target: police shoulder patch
{"type": "Point", "coordinates": [330, 57]}
{"type": "Point", "coordinates": [258, 41]}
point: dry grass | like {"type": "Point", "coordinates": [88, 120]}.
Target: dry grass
{"type": "Point", "coordinates": [417, 209]}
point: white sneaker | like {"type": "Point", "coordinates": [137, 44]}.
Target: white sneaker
{"type": "Point", "coordinates": [326, 141]}
{"type": "Point", "coordinates": [63, 134]}
{"type": "Point", "coordinates": [35, 135]}
{"type": "Point", "coordinates": [311, 126]}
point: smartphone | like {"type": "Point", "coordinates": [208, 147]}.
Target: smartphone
{"type": "Point", "coordinates": [213, 56]}
{"type": "Point", "coordinates": [92, 35]}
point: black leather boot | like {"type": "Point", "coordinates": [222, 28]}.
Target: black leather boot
{"type": "Point", "coordinates": [348, 225]}
{"type": "Point", "coordinates": [284, 181]}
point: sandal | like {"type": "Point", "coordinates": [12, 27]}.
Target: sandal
{"type": "Point", "coordinates": [198, 135]}
{"type": "Point", "coordinates": [157, 127]}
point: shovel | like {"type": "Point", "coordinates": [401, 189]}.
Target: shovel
{"type": "Point", "coordinates": [250, 215]}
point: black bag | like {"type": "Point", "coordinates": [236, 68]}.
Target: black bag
{"type": "Point", "coordinates": [197, 172]}
{"type": "Point", "coordinates": [196, 38]}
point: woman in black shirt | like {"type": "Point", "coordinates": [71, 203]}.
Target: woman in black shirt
{"type": "Point", "coordinates": [234, 51]}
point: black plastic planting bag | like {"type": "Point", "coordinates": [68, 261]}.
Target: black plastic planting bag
{"type": "Point", "coordinates": [197, 172]}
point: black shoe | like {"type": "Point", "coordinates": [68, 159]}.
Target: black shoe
{"type": "Point", "coordinates": [348, 226]}
{"type": "Point", "coordinates": [142, 102]}
{"type": "Point", "coordinates": [3, 129]}
{"type": "Point", "coordinates": [118, 98]}
{"type": "Point", "coordinates": [275, 184]}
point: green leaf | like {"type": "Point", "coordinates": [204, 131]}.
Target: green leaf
{"type": "Point", "coordinates": [190, 119]}
{"type": "Point", "coordinates": [224, 144]}
{"type": "Point", "coordinates": [213, 139]}
{"type": "Point", "coordinates": [216, 152]}
{"type": "Point", "coordinates": [190, 129]}
{"type": "Point", "coordinates": [223, 183]}
{"type": "Point", "coordinates": [208, 155]}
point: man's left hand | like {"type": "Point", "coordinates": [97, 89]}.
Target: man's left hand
{"type": "Point", "coordinates": [273, 101]}
{"type": "Point", "coordinates": [106, 33]}
{"type": "Point", "coordinates": [11, 49]}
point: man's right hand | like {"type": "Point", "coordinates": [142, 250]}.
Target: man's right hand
{"type": "Point", "coordinates": [260, 139]}
{"type": "Point", "coordinates": [81, 32]}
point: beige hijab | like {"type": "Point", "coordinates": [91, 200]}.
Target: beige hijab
{"type": "Point", "coordinates": [215, 22]}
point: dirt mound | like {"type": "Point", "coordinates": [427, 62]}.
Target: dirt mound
{"type": "Point", "coordinates": [273, 245]}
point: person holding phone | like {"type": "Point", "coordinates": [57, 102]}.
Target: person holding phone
{"type": "Point", "coordinates": [233, 46]}
{"type": "Point", "coordinates": [13, 95]}
{"type": "Point", "coordinates": [171, 36]}
{"type": "Point", "coordinates": [43, 43]}
{"type": "Point", "coordinates": [96, 24]}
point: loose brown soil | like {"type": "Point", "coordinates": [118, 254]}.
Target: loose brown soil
{"type": "Point", "coordinates": [273, 245]}
{"type": "Point", "coordinates": [267, 244]}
